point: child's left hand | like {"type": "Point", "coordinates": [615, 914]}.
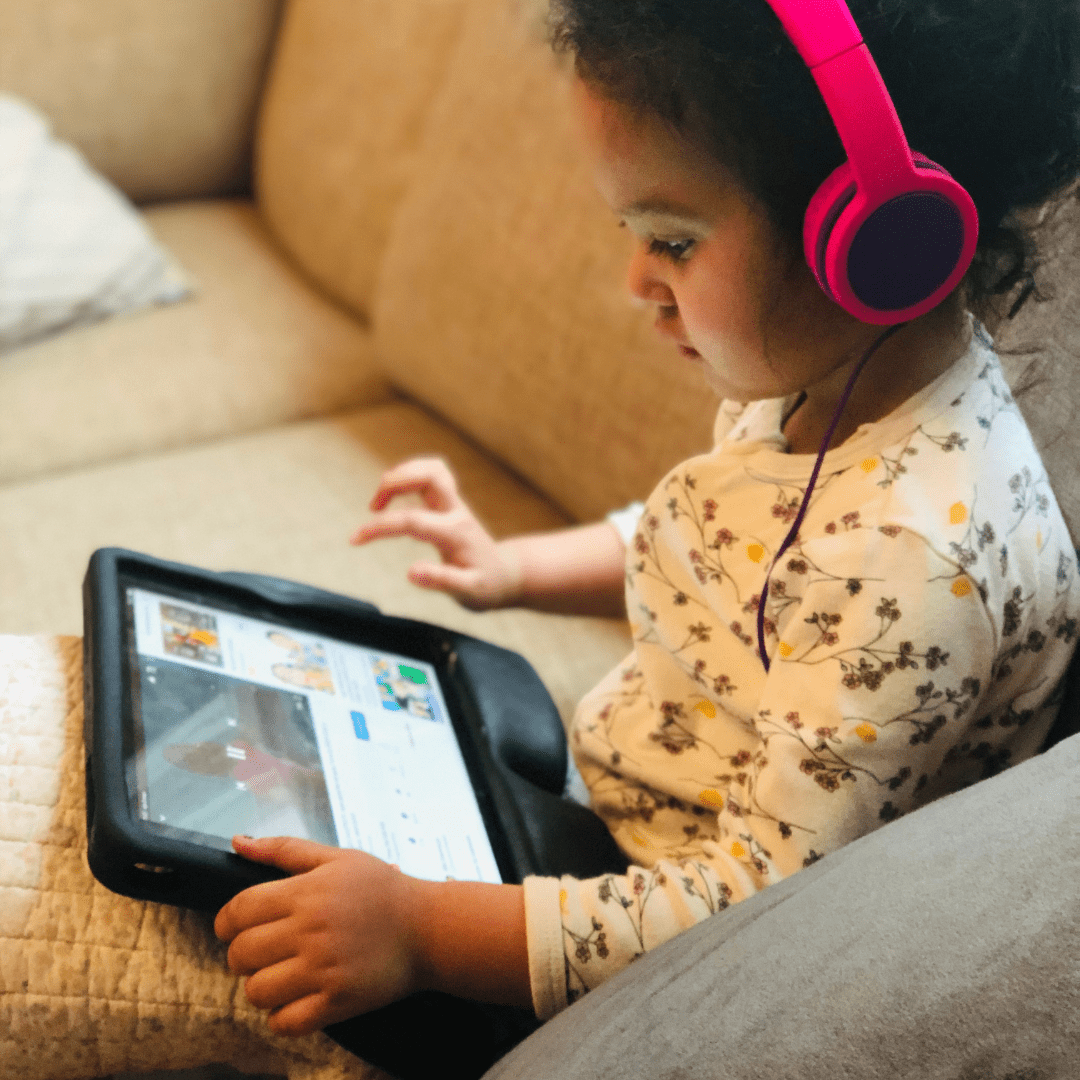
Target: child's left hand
{"type": "Point", "coordinates": [328, 943]}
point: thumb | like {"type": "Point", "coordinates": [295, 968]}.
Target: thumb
{"type": "Point", "coordinates": [458, 581]}
{"type": "Point", "coordinates": [287, 853]}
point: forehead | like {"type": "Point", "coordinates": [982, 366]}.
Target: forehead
{"type": "Point", "coordinates": [639, 164]}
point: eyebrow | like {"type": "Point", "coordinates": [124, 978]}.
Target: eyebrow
{"type": "Point", "coordinates": [659, 206]}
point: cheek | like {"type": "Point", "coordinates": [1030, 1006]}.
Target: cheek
{"type": "Point", "coordinates": [721, 311]}
{"type": "Point", "coordinates": [730, 282]}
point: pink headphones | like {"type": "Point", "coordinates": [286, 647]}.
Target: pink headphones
{"type": "Point", "coordinates": [890, 233]}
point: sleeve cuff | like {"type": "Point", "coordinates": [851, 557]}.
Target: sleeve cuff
{"type": "Point", "coordinates": [626, 520]}
{"type": "Point", "coordinates": [544, 933]}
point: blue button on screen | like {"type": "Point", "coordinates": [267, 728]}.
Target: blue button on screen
{"type": "Point", "coordinates": [360, 725]}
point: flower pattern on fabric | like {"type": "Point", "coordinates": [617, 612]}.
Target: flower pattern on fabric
{"type": "Point", "coordinates": [918, 628]}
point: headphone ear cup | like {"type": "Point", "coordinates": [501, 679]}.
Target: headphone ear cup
{"type": "Point", "coordinates": [893, 259]}
{"type": "Point", "coordinates": [830, 200]}
{"type": "Point", "coordinates": [923, 163]}
{"type": "Point", "coordinates": [908, 249]}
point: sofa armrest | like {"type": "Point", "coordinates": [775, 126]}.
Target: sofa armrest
{"type": "Point", "coordinates": [92, 983]}
{"type": "Point", "coordinates": [943, 946]}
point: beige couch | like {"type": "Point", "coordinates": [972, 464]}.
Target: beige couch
{"type": "Point", "coordinates": [397, 252]}
{"type": "Point", "coordinates": [423, 267]}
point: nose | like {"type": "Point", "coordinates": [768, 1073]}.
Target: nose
{"type": "Point", "coordinates": [644, 279]}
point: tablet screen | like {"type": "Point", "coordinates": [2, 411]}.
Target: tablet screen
{"type": "Point", "coordinates": [244, 726]}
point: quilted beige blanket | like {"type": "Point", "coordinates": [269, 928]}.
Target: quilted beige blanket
{"type": "Point", "coordinates": [92, 983]}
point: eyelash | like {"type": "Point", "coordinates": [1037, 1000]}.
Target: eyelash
{"type": "Point", "coordinates": [675, 250]}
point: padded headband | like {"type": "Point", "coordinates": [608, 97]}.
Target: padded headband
{"type": "Point", "coordinates": [826, 37]}
{"type": "Point", "coordinates": [890, 233]}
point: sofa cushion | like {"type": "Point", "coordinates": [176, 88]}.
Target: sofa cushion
{"type": "Point", "coordinates": [945, 946]}
{"type": "Point", "coordinates": [160, 97]}
{"type": "Point", "coordinates": [502, 301]}
{"type": "Point", "coordinates": [255, 347]}
{"type": "Point", "coordinates": [285, 502]}
{"type": "Point", "coordinates": [339, 125]}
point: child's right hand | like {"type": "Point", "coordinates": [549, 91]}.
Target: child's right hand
{"type": "Point", "coordinates": [478, 571]}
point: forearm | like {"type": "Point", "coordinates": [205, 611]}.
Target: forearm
{"type": "Point", "coordinates": [578, 571]}
{"type": "Point", "coordinates": [469, 940]}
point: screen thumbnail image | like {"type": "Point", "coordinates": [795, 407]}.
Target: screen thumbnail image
{"type": "Point", "coordinates": [224, 756]}
{"type": "Point", "coordinates": [190, 634]}
{"type": "Point", "coordinates": [304, 663]}
{"type": "Point", "coordinates": [403, 687]}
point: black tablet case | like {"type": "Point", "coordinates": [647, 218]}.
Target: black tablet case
{"type": "Point", "coordinates": [514, 730]}
{"type": "Point", "coordinates": [514, 733]}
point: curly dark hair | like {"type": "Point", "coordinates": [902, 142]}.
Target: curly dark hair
{"type": "Point", "coordinates": [988, 88]}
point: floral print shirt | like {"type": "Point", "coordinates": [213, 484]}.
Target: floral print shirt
{"type": "Point", "coordinates": [918, 631]}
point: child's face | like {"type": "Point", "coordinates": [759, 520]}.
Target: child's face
{"type": "Point", "coordinates": [727, 291]}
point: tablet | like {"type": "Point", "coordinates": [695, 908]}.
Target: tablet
{"type": "Point", "coordinates": [224, 703]}
{"type": "Point", "coordinates": [241, 725]}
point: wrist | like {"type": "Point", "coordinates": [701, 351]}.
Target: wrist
{"type": "Point", "coordinates": [574, 571]}
{"type": "Point", "coordinates": [416, 910]}
{"type": "Point", "coordinates": [513, 592]}
{"type": "Point", "coordinates": [413, 904]}
{"type": "Point", "coordinates": [467, 939]}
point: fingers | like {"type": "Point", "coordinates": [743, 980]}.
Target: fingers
{"type": "Point", "coordinates": [315, 1010]}
{"type": "Point", "coordinates": [303, 1017]}
{"type": "Point", "coordinates": [301, 1000]}
{"type": "Point", "coordinates": [272, 900]}
{"type": "Point", "coordinates": [463, 584]}
{"type": "Point", "coordinates": [277, 985]}
{"type": "Point", "coordinates": [292, 996]}
{"type": "Point", "coordinates": [262, 946]}
{"type": "Point", "coordinates": [287, 853]}
{"type": "Point", "coordinates": [430, 478]}
{"type": "Point", "coordinates": [260, 904]}
{"type": "Point", "coordinates": [440, 528]}
{"type": "Point", "coordinates": [475, 572]}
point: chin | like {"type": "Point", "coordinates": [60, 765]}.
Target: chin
{"type": "Point", "coordinates": [716, 384]}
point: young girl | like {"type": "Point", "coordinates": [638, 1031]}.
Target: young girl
{"type": "Point", "coordinates": [916, 630]}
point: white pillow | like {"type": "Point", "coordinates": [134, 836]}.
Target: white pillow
{"type": "Point", "coordinates": [72, 248]}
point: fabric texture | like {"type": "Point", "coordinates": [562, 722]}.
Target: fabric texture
{"type": "Point", "coordinates": [285, 502]}
{"type": "Point", "coordinates": [72, 249]}
{"type": "Point", "coordinates": [1038, 350]}
{"type": "Point", "coordinates": [254, 348]}
{"type": "Point", "coordinates": [160, 98]}
{"type": "Point", "coordinates": [91, 982]}
{"type": "Point", "coordinates": [502, 302]}
{"type": "Point", "coordinates": [919, 629]}
{"type": "Point", "coordinates": [945, 946]}
{"type": "Point", "coordinates": [340, 128]}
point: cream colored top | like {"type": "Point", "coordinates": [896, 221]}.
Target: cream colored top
{"type": "Point", "coordinates": [918, 630]}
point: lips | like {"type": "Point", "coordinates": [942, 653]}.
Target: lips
{"type": "Point", "coordinates": [667, 326]}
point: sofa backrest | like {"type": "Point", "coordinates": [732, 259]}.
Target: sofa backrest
{"type": "Point", "coordinates": [416, 158]}
{"type": "Point", "coordinates": [503, 300]}
{"type": "Point", "coordinates": [340, 125]}
{"type": "Point", "coordinates": [159, 96]}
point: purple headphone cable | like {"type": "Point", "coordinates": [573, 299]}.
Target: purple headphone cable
{"type": "Point", "coordinates": [794, 530]}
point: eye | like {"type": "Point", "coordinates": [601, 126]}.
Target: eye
{"type": "Point", "coordinates": [675, 250]}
